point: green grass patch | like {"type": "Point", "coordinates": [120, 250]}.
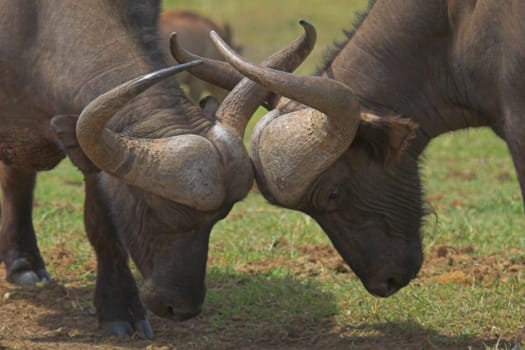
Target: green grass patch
{"type": "Point", "coordinates": [274, 280]}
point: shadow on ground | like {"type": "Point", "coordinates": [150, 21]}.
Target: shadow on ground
{"type": "Point", "coordinates": [249, 311]}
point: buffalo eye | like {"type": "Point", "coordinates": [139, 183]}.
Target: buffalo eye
{"type": "Point", "coordinates": [333, 200]}
{"type": "Point", "coordinates": [333, 195]}
{"type": "Point", "coordinates": [326, 199]}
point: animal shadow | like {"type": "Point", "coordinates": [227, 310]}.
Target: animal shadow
{"type": "Point", "coordinates": [242, 311]}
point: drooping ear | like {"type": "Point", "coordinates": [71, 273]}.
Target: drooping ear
{"type": "Point", "coordinates": [64, 128]}
{"type": "Point", "coordinates": [384, 138]}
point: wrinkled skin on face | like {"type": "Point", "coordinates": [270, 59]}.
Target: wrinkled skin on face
{"type": "Point", "coordinates": [373, 222]}
{"type": "Point", "coordinates": [369, 202]}
{"type": "Point", "coordinates": [176, 289]}
{"type": "Point", "coordinates": [173, 259]}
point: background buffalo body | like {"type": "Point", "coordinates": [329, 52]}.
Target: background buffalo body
{"type": "Point", "coordinates": [193, 31]}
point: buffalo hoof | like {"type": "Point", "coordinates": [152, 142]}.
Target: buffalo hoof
{"type": "Point", "coordinates": [124, 328]}
{"type": "Point", "coordinates": [28, 277]}
{"type": "Point", "coordinates": [143, 329]}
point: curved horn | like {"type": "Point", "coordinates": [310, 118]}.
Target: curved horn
{"type": "Point", "coordinates": [236, 115]}
{"type": "Point", "coordinates": [215, 72]}
{"type": "Point", "coordinates": [172, 168]}
{"type": "Point", "coordinates": [291, 150]}
{"type": "Point", "coordinates": [327, 95]}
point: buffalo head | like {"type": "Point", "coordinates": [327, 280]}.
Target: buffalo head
{"type": "Point", "coordinates": [318, 153]}
{"type": "Point", "coordinates": [165, 190]}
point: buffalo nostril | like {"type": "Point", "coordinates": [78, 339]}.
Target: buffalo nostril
{"type": "Point", "coordinates": [392, 286]}
{"type": "Point", "coordinates": [182, 315]}
{"type": "Point", "coordinates": [384, 288]}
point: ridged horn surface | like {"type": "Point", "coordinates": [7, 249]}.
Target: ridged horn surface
{"type": "Point", "coordinates": [236, 115]}
{"type": "Point", "coordinates": [185, 168]}
{"type": "Point", "coordinates": [291, 150]}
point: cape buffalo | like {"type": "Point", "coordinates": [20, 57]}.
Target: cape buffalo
{"type": "Point", "coordinates": [159, 172]}
{"type": "Point", "coordinates": [193, 31]}
{"type": "Point", "coordinates": [340, 148]}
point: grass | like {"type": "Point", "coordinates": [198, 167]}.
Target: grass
{"type": "Point", "coordinates": [475, 191]}
{"type": "Point", "coordinates": [272, 276]}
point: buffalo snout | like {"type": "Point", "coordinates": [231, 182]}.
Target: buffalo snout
{"type": "Point", "coordinates": [385, 260]}
{"type": "Point", "coordinates": [175, 274]}
{"type": "Point", "coordinates": [385, 277]}
{"type": "Point", "coordinates": [385, 286]}
{"type": "Point", "coordinates": [177, 303]}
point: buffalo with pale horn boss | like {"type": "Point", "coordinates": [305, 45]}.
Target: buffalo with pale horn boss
{"type": "Point", "coordinates": [344, 146]}
{"type": "Point", "coordinates": [159, 172]}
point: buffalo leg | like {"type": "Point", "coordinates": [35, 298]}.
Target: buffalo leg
{"type": "Point", "coordinates": [514, 133]}
{"type": "Point", "coordinates": [18, 246]}
{"type": "Point", "coordinates": [119, 309]}
{"type": "Point", "coordinates": [517, 150]}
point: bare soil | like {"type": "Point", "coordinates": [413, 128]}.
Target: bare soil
{"type": "Point", "coordinates": [60, 314]}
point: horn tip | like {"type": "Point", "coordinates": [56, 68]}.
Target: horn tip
{"type": "Point", "coordinates": [175, 48]}
{"type": "Point", "coordinates": [217, 40]}
{"type": "Point", "coordinates": [307, 25]}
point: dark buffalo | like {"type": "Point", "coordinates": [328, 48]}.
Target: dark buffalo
{"type": "Point", "coordinates": [159, 172]}
{"type": "Point", "coordinates": [350, 159]}
{"type": "Point", "coordinates": [193, 31]}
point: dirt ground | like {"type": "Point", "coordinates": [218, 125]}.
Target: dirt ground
{"type": "Point", "coordinates": [60, 315]}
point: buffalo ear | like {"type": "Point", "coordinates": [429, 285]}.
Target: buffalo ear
{"type": "Point", "coordinates": [64, 127]}
{"type": "Point", "coordinates": [384, 138]}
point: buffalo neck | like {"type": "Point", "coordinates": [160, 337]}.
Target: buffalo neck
{"type": "Point", "coordinates": [400, 60]}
